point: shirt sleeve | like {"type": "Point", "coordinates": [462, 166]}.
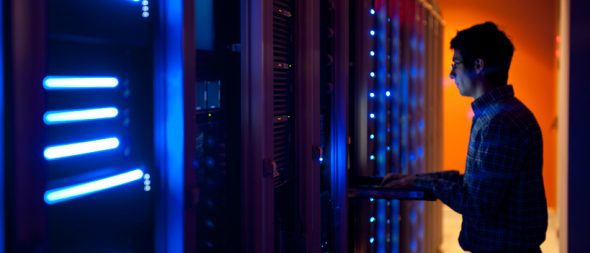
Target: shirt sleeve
{"type": "Point", "coordinates": [451, 175]}
{"type": "Point", "coordinates": [483, 191]}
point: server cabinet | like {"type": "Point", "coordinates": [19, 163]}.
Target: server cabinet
{"type": "Point", "coordinates": [81, 126]}
{"type": "Point", "coordinates": [280, 142]}
{"type": "Point", "coordinates": [390, 75]}
{"type": "Point", "coordinates": [219, 120]}
{"type": "Point", "coordinates": [216, 119]}
{"type": "Point", "coordinates": [102, 68]}
{"type": "Point", "coordinates": [393, 121]}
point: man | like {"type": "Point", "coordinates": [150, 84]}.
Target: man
{"type": "Point", "coordinates": [501, 195]}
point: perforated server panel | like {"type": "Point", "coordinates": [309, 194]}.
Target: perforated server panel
{"type": "Point", "coordinates": [287, 228]}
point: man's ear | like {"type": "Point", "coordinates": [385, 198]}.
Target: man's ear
{"type": "Point", "coordinates": [478, 66]}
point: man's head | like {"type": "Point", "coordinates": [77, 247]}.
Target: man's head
{"type": "Point", "coordinates": [481, 60]}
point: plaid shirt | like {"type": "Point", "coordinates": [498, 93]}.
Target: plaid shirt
{"type": "Point", "coordinates": [501, 196]}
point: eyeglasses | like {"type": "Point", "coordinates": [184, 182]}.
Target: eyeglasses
{"type": "Point", "coordinates": [455, 63]}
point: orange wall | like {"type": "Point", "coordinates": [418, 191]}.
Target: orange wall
{"type": "Point", "coordinates": [532, 27]}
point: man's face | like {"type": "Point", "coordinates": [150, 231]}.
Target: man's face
{"type": "Point", "coordinates": [462, 76]}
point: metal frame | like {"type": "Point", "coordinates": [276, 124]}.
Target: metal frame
{"type": "Point", "coordinates": [190, 128]}
{"type": "Point", "coordinates": [563, 96]}
{"type": "Point", "coordinates": [307, 116]}
{"type": "Point", "coordinates": [173, 134]}
{"type": "Point", "coordinates": [340, 131]}
{"type": "Point", "coordinates": [2, 161]}
{"type": "Point", "coordinates": [258, 190]}
{"type": "Point", "coordinates": [26, 230]}
{"type": "Point", "coordinates": [258, 195]}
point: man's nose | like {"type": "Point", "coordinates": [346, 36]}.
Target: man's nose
{"type": "Point", "coordinates": [452, 75]}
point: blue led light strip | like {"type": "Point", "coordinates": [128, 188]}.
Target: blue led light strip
{"type": "Point", "coordinates": [80, 148]}
{"type": "Point", "coordinates": [380, 35]}
{"type": "Point", "coordinates": [394, 215]}
{"type": "Point", "coordinates": [71, 82]}
{"type": "Point", "coordinates": [71, 116]}
{"type": "Point", "coordinates": [80, 190]}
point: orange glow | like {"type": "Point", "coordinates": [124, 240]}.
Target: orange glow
{"type": "Point", "coordinates": [532, 27]}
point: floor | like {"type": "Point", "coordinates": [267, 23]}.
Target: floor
{"type": "Point", "coordinates": [452, 225]}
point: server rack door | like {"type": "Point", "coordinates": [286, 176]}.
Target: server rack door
{"type": "Point", "coordinates": [82, 165]}
{"type": "Point", "coordinates": [296, 149]}
{"type": "Point", "coordinates": [288, 234]}
{"type": "Point", "coordinates": [280, 146]}
{"type": "Point", "coordinates": [102, 67]}
{"type": "Point", "coordinates": [390, 86]}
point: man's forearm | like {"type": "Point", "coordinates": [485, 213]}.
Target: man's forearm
{"type": "Point", "coordinates": [450, 175]}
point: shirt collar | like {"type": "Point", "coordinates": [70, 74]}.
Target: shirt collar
{"type": "Point", "coordinates": [489, 98]}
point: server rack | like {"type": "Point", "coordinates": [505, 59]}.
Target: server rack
{"type": "Point", "coordinates": [79, 49]}
{"type": "Point", "coordinates": [287, 222]}
{"type": "Point", "coordinates": [216, 119]}
{"type": "Point", "coordinates": [199, 102]}
{"type": "Point", "coordinates": [95, 119]}
{"type": "Point", "coordinates": [280, 143]}
{"type": "Point", "coordinates": [393, 117]}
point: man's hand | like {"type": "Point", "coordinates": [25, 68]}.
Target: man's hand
{"type": "Point", "coordinates": [393, 180]}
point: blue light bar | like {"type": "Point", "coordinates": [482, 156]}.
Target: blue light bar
{"type": "Point", "coordinates": [70, 82]}
{"type": "Point", "coordinates": [80, 148]}
{"type": "Point", "coordinates": [69, 116]}
{"type": "Point", "coordinates": [80, 190]}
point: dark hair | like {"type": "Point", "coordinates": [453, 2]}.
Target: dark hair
{"type": "Point", "coordinates": [485, 41]}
